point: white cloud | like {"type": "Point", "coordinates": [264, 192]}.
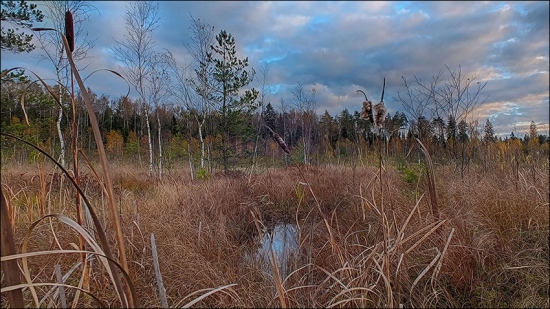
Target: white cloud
{"type": "Point", "coordinates": [340, 47]}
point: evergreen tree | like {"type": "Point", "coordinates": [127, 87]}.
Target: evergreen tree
{"type": "Point", "coordinates": [19, 14]}
{"type": "Point", "coordinates": [328, 130]}
{"type": "Point", "coordinates": [533, 134]}
{"type": "Point", "coordinates": [439, 126]}
{"type": "Point", "coordinates": [229, 76]}
{"type": "Point", "coordinates": [452, 130]}
{"type": "Point", "coordinates": [423, 128]}
{"type": "Point", "coordinates": [396, 123]}
{"type": "Point", "coordinates": [489, 135]}
{"type": "Point", "coordinates": [270, 116]}
{"type": "Point", "coordinates": [346, 125]}
{"type": "Point", "coordinates": [462, 131]}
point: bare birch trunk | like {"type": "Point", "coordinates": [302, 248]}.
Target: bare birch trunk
{"type": "Point", "coordinates": [58, 124]}
{"type": "Point", "coordinates": [160, 146]}
{"type": "Point", "coordinates": [60, 134]}
{"type": "Point", "coordinates": [201, 139]}
{"type": "Point", "coordinates": [189, 154]}
{"type": "Point", "coordinates": [149, 141]}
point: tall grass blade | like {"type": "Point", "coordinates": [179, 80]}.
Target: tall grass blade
{"type": "Point", "coordinates": [425, 270]}
{"type": "Point", "coordinates": [213, 291]}
{"type": "Point", "coordinates": [104, 163]}
{"type": "Point", "coordinates": [97, 224]}
{"type": "Point", "coordinates": [37, 284]}
{"type": "Point", "coordinates": [59, 278]}
{"type": "Point", "coordinates": [431, 179]}
{"type": "Point", "coordinates": [10, 268]}
{"type": "Point", "coordinates": [438, 267]}
{"type": "Point", "coordinates": [277, 276]}
{"type": "Point", "coordinates": [158, 275]}
{"type": "Point", "coordinates": [107, 261]}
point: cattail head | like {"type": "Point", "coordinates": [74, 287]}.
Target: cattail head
{"type": "Point", "coordinates": [379, 114]}
{"type": "Point", "coordinates": [69, 30]}
{"type": "Point", "coordinates": [366, 112]}
{"type": "Point", "coordinates": [281, 142]}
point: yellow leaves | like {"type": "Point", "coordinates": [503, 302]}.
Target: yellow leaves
{"type": "Point", "coordinates": [115, 142]}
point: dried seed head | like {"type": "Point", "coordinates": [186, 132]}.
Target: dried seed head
{"type": "Point", "coordinates": [281, 142]}
{"type": "Point", "coordinates": [379, 114]}
{"type": "Point", "coordinates": [366, 112]}
{"type": "Point", "coordinates": [69, 30]}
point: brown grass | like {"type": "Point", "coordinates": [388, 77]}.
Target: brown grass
{"type": "Point", "coordinates": [493, 251]}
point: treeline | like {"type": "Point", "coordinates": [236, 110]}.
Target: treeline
{"type": "Point", "coordinates": [206, 112]}
{"type": "Point", "coordinates": [312, 138]}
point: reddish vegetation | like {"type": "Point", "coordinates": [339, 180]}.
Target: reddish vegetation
{"type": "Point", "coordinates": [492, 236]}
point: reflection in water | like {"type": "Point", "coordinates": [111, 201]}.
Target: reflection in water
{"type": "Point", "coordinates": [284, 240]}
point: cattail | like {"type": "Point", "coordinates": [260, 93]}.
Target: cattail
{"type": "Point", "coordinates": [69, 30]}
{"type": "Point", "coordinates": [366, 111]}
{"type": "Point", "coordinates": [380, 109]}
{"type": "Point", "coordinates": [379, 114]}
{"type": "Point", "coordinates": [281, 142]}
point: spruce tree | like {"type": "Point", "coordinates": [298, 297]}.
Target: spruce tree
{"type": "Point", "coordinates": [489, 135]}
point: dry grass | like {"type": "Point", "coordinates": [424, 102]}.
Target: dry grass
{"type": "Point", "coordinates": [364, 242]}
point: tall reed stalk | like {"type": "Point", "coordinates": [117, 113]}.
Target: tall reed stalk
{"type": "Point", "coordinates": [128, 298]}
{"type": "Point", "coordinates": [10, 268]}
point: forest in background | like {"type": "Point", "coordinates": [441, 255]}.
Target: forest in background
{"type": "Point", "coordinates": [441, 212]}
{"type": "Point", "coordinates": [207, 113]}
{"type": "Point", "coordinates": [30, 112]}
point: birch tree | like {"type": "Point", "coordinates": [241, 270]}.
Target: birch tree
{"type": "Point", "coordinates": [180, 89]}
{"type": "Point", "coordinates": [136, 53]}
{"type": "Point", "coordinates": [53, 50]}
{"type": "Point", "coordinates": [306, 105]}
{"type": "Point", "coordinates": [263, 97]}
{"type": "Point", "coordinates": [158, 89]}
{"type": "Point", "coordinates": [199, 47]}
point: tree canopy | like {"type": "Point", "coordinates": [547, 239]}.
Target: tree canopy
{"type": "Point", "coordinates": [20, 15]}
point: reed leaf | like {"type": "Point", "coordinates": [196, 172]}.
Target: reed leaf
{"type": "Point", "coordinates": [103, 160]}
{"type": "Point", "coordinates": [97, 224]}
{"type": "Point", "coordinates": [431, 179]}
{"type": "Point", "coordinates": [210, 292]}
{"type": "Point", "coordinates": [10, 268]}
{"type": "Point", "coordinates": [33, 284]}
{"type": "Point", "coordinates": [106, 260]}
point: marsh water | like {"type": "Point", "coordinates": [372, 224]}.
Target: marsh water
{"type": "Point", "coordinates": [283, 238]}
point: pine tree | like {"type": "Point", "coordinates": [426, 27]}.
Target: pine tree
{"type": "Point", "coordinates": [230, 75]}
{"type": "Point", "coordinates": [451, 129]}
{"type": "Point", "coordinates": [19, 14]}
{"type": "Point", "coordinates": [489, 136]}
{"type": "Point", "coordinates": [462, 131]}
{"type": "Point", "coordinates": [269, 116]}
{"type": "Point", "coordinates": [533, 135]}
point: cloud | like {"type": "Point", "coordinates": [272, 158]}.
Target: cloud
{"type": "Point", "coordinates": [338, 47]}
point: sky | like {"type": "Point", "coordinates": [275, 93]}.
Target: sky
{"type": "Point", "coordinates": [338, 47]}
